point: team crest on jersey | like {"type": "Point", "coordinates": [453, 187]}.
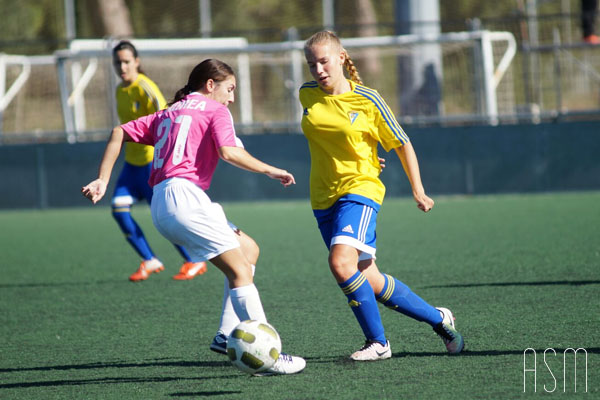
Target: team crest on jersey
{"type": "Point", "coordinates": [352, 115]}
{"type": "Point", "coordinates": [136, 105]}
{"type": "Point", "coordinates": [305, 112]}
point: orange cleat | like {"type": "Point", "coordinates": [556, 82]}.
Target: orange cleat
{"type": "Point", "coordinates": [592, 39]}
{"type": "Point", "coordinates": [190, 270]}
{"type": "Point", "coordinates": [146, 268]}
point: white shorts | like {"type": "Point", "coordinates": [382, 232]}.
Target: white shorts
{"type": "Point", "coordinates": [185, 215]}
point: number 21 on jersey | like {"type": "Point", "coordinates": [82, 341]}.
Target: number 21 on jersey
{"type": "Point", "coordinates": [182, 127]}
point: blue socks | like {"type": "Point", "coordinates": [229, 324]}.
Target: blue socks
{"type": "Point", "coordinates": [183, 252]}
{"type": "Point", "coordinates": [361, 300]}
{"type": "Point", "coordinates": [135, 236]}
{"type": "Point", "coordinates": [397, 296]}
{"type": "Point", "coordinates": [132, 231]}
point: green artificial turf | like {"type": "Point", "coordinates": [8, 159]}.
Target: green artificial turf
{"type": "Point", "coordinates": [518, 271]}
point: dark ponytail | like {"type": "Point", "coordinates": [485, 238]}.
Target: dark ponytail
{"type": "Point", "coordinates": [127, 45]}
{"type": "Point", "coordinates": [180, 94]}
{"type": "Point", "coordinates": [211, 68]}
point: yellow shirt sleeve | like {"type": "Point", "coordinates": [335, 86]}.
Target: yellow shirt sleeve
{"type": "Point", "coordinates": [386, 129]}
{"type": "Point", "coordinates": [141, 98]}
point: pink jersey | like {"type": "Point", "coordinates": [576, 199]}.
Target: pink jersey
{"type": "Point", "coordinates": [185, 137]}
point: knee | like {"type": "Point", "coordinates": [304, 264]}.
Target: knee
{"type": "Point", "coordinates": [252, 251]}
{"type": "Point", "coordinates": [342, 266]}
{"type": "Point", "coordinates": [239, 274]}
{"type": "Point", "coordinates": [370, 270]}
{"type": "Point", "coordinates": [249, 247]}
{"type": "Point", "coordinates": [238, 271]}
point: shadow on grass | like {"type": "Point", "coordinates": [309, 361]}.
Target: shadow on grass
{"type": "Point", "coordinates": [118, 380]}
{"type": "Point", "coordinates": [155, 363]}
{"type": "Point", "coordinates": [61, 284]}
{"type": "Point", "coordinates": [485, 353]}
{"type": "Point", "coordinates": [466, 353]}
{"type": "Point", "coordinates": [203, 394]}
{"type": "Point", "coordinates": [105, 381]}
{"type": "Point", "coordinates": [500, 284]}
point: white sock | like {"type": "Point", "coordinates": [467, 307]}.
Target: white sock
{"type": "Point", "coordinates": [246, 303]}
{"type": "Point", "coordinates": [229, 318]}
{"type": "Point", "coordinates": [153, 263]}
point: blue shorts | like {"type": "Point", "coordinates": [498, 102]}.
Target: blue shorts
{"type": "Point", "coordinates": [132, 185]}
{"type": "Point", "coordinates": [351, 221]}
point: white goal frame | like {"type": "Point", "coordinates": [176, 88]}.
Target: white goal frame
{"type": "Point", "coordinates": [71, 92]}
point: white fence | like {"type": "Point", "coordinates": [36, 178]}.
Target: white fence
{"type": "Point", "coordinates": [77, 96]}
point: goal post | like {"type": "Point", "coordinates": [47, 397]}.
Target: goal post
{"type": "Point", "coordinates": [69, 65]}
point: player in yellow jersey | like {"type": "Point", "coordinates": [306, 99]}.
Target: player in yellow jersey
{"type": "Point", "coordinates": [344, 121]}
{"type": "Point", "coordinates": [138, 96]}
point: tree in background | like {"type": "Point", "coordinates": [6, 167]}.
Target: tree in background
{"type": "Point", "coordinates": [38, 26]}
{"type": "Point", "coordinates": [115, 18]}
{"type": "Point", "coordinates": [367, 20]}
{"type": "Point", "coordinates": [31, 27]}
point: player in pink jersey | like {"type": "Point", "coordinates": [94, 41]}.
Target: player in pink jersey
{"type": "Point", "coordinates": [189, 137]}
{"type": "Point", "coordinates": [136, 96]}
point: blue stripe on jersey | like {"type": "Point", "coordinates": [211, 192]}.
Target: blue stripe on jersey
{"type": "Point", "coordinates": [384, 110]}
{"type": "Point", "coordinates": [310, 84]}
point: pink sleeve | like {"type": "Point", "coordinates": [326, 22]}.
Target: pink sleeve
{"type": "Point", "coordinates": [139, 129]}
{"type": "Point", "coordinates": [222, 128]}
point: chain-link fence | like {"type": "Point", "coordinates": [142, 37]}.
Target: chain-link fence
{"type": "Point", "coordinates": [553, 74]}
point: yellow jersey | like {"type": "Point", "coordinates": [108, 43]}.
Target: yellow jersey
{"type": "Point", "coordinates": [343, 132]}
{"type": "Point", "coordinates": [140, 98]}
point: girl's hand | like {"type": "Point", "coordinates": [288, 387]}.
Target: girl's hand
{"type": "Point", "coordinates": [283, 176]}
{"type": "Point", "coordinates": [424, 202]}
{"type": "Point", "coordinates": [94, 190]}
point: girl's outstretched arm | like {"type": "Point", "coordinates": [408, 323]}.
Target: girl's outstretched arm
{"type": "Point", "coordinates": [409, 161]}
{"type": "Point", "coordinates": [96, 189]}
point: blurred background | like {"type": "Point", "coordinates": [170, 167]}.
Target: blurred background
{"type": "Point", "coordinates": [500, 96]}
{"type": "Point", "coordinates": [549, 71]}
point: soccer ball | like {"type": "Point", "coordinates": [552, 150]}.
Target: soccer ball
{"type": "Point", "coordinates": [253, 346]}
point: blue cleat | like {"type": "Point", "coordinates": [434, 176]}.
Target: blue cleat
{"type": "Point", "coordinates": [219, 344]}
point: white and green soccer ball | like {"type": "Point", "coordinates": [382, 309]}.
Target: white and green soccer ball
{"type": "Point", "coordinates": [253, 346]}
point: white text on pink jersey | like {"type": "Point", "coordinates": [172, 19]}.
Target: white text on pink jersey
{"type": "Point", "coordinates": [190, 104]}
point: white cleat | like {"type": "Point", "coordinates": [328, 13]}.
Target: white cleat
{"type": "Point", "coordinates": [447, 331]}
{"type": "Point", "coordinates": [286, 364]}
{"type": "Point", "coordinates": [373, 351]}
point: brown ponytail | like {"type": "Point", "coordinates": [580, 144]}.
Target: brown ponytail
{"type": "Point", "coordinates": [210, 68]}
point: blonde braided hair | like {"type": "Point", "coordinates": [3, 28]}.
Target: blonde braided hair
{"type": "Point", "coordinates": [352, 71]}
{"type": "Point", "coordinates": [330, 37]}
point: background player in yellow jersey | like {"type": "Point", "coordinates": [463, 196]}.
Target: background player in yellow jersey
{"type": "Point", "coordinates": [343, 122]}
{"type": "Point", "coordinates": [138, 96]}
